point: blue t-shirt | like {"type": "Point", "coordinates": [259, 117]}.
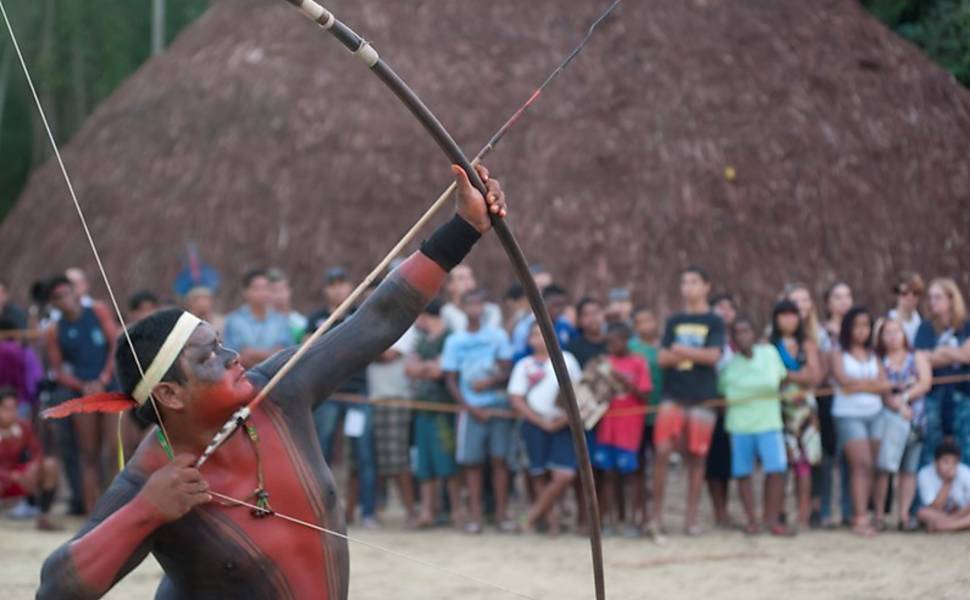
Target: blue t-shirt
{"type": "Point", "coordinates": [475, 355]}
{"type": "Point", "coordinates": [928, 339]}
{"type": "Point", "coordinates": [83, 344]}
{"type": "Point", "coordinates": [244, 331]}
{"type": "Point", "coordinates": [520, 335]}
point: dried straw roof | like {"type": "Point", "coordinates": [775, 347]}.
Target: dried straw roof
{"type": "Point", "coordinates": [258, 137]}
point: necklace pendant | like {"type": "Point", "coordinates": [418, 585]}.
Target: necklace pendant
{"type": "Point", "coordinates": [263, 509]}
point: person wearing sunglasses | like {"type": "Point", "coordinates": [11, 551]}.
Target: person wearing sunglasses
{"type": "Point", "coordinates": [909, 289]}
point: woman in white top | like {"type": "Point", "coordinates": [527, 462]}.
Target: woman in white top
{"type": "Point", "coordinates": [860, 382]}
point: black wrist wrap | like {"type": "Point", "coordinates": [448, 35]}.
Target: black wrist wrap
{"type": "Point", "coordinates": [450, 243]}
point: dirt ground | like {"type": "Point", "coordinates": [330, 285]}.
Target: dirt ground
{"type": "Point", "coordinates": [719, 565]}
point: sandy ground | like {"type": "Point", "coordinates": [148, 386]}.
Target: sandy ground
{"type": "Point", "coordinates": [721, 564]}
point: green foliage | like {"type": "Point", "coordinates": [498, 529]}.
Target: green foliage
{"type": "Point", "coordinates": [940, 27]}
{"type": "Point", "coordinates": [78, 52]}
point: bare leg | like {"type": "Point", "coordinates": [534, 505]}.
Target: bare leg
{"type": "Point", "coordinates": [500, 483]}
{"type": "Point", "coordinates": [89, 447]}
{"type": "Point", "coordinates": [639, 496]}
{"type": "Point", "coordinates": [938, 521]}
{"type": "Point", "coordinates": [606, 490]}
{"type": "Point", "coordinates": [581, 523]}
{"type": "Point", "coordinates": [880, 489]}
{"type": "Point", "coordinates": [473, 479]}
{"type": "Point", "coordinates": [619, 499]}
{"type": "Point", "coordinates": [954, 524]}
{"type": "Point", "coordinates": [859, 457]}
{"type": "Point", "coordinates": [660, 465]}
{"type": "Point", "coordinates": [453, 485]}
{"type": "Point", "coordinates": [695, 482]}
{"type": "Point", "coordinates": [907, 493]}
{"type": "Point", "coordinates": [428, 489]}
{"type": "Point", "coordinates": [774, 497]}
{"type": "Point", "coordinates": [931, 517]}
{"type": "Point", "coordinates": [746, 493]}
{"type": "Point", "coordinates": [39, 480]}
{"type": "Point", "coordinates": [47, 479]}
{"type": "Point", "coordinates": [718, 490]}
{"type": "Point", "coordinates": [803, 490]}
{"type": "Point", "coordinates": [538, 483]}
{"type": "Point", "coordinates": [405, 485]}
{"type": "Point", "coordinates": [559, 482]}
{"type": "Point", "coordinates": [628, 518]}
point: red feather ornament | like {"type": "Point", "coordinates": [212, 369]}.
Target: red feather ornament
{"type": "Point", "coordinates": [106, 402]}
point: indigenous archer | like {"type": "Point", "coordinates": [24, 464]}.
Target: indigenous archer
{"type": "Point", "coordinates": [211, 550]}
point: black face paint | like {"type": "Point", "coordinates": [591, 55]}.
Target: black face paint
{"type": "Point", "coordinates": [206, 359]}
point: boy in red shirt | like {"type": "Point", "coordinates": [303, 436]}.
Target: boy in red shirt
{"type": "Point", "coordinates": [24, 470]}
{"type": "Point", "coordinates": [618, 435]}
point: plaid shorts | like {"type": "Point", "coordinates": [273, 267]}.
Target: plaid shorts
{"type": "Point", "coordinates": [392, 439]}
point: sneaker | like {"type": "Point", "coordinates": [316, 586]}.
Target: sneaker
{"type": "Point", "coordinates": [23, 511]}
{"type": "Point", "coordinates": [370, 523]}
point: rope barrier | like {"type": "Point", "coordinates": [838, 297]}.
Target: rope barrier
{"type": "Point", "coordinates": [418, 405]}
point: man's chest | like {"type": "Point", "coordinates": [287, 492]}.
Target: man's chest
{"type": "Point", "coordinates": [265, 462]}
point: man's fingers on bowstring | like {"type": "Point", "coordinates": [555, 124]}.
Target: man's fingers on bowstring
{"type": "Point", "coordinates": [195, 487]}
{"type": "Point", "coordinates": [198, 498]}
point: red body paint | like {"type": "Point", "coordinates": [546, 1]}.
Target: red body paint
{"type": "Point", "coordinates": [299, 553]}
{"type": "Point", "coordinates": [422, 273]}
{"type": "Point", "coordinates": [99, 555]}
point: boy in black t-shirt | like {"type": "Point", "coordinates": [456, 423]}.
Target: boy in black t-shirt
{"type": "Point", "coordinates": [691, 347]}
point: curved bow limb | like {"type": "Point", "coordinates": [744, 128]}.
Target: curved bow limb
{"type": "Point", "coordinates": [366, 52]}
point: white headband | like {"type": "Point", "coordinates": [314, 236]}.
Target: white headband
{"type": "Point", "coordinates": [166, 356]}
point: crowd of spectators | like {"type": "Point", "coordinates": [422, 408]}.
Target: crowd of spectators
{"type": "Point", "coordinates": [462, 418]}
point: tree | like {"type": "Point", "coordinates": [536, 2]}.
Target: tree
{"type": "Point", "coordinates": [940, 27]}
{"type": "Point", "coordinates": [78, 53]}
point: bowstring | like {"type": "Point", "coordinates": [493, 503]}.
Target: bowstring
{"type": "Point", "coordinates": [80, 214]}
{"type": "Point", "coordinates": [374, 546]}
{"type": "Point", "coordinates": [104, 275]}
{"type": "Point", "coordinates": [117, 310]}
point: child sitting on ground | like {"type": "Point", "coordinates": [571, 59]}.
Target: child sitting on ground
{"type": "Point", "coordinates": [944, 489]}
{"type": "Point", "coordinates": [24, 470]}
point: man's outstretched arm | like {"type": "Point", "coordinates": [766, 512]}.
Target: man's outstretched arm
{"type": "Point", "coordinates": [117, 537]}
{"type": "Point", "coordinates": [396, 303]}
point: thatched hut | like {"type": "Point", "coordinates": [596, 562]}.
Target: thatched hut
{"type": "Point", "coordinates": [257, 137]}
